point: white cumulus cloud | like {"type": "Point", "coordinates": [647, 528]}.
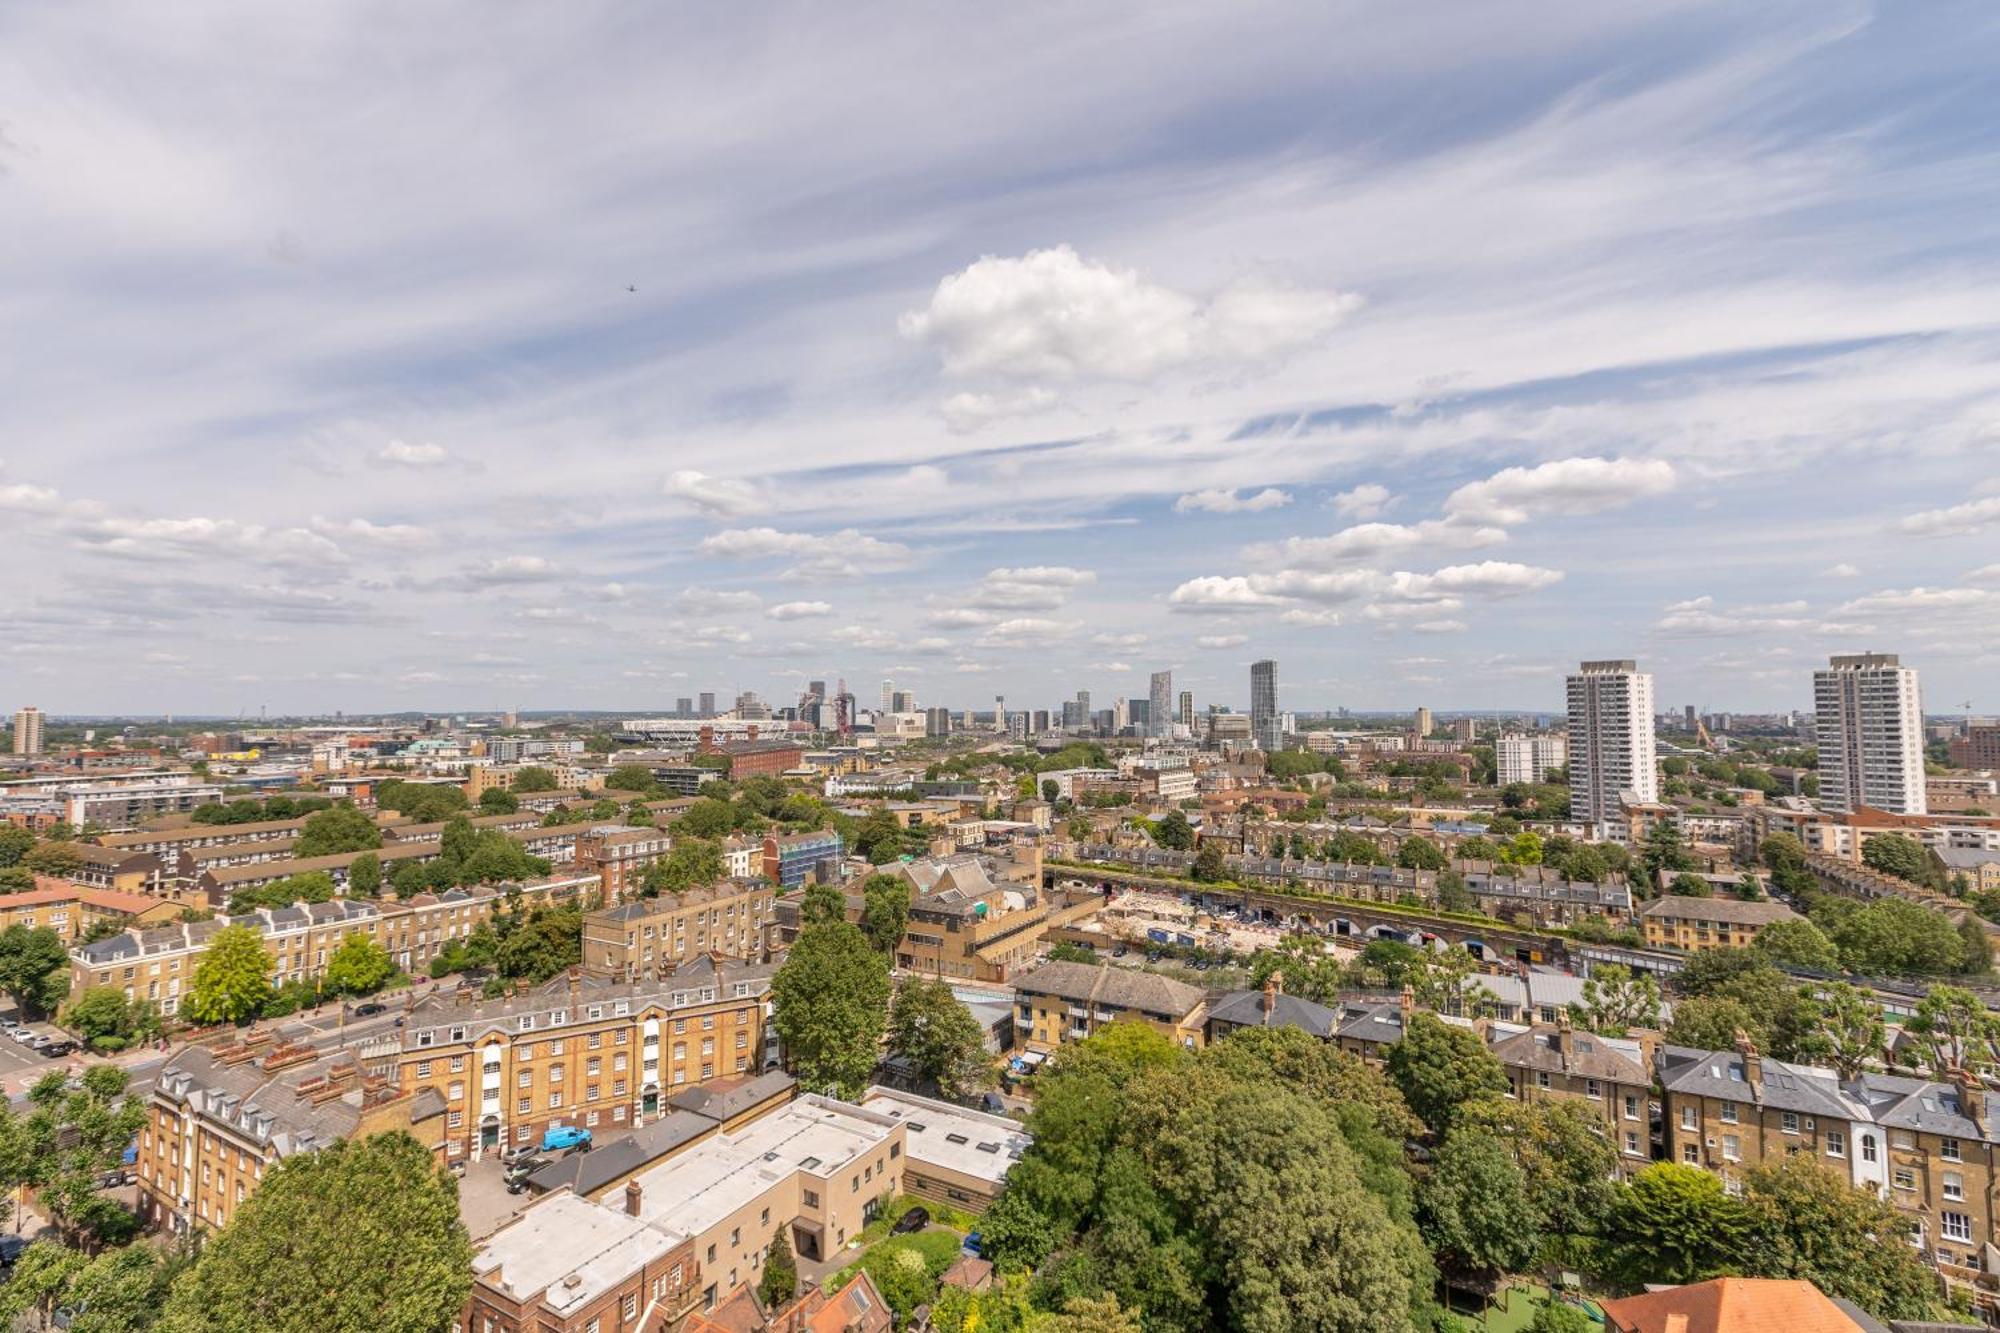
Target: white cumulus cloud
{"type": "Point", "coordinates": [1054, 315]}
{"type": "Point", "coordinates": [1223, 500]}
{"type": "Point", "coordinates": [1565, 486]}
{"type": "Point", "coordinates": [799, 610]}
{"type": "Point", "coordinates": [719, 497]}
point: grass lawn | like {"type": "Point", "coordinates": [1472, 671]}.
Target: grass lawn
{"type": "Point", "coordinates": [1517, 1307]}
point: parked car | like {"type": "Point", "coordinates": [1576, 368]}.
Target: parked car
{"type": "Point", "coordinates": [561, 1138]}
{"type": "Point", "coordinates": [57, 1049]}
{"type": "Point", "coordinates": [11, 1248]}
{"type": "Point", "coordinates": [519, 1170]}
{"type": "Point", "coordinates": [23, 1035]}
{"type": "Point", "coordinates": [370, 1010]}
{"type": "Point", "coordinates": [40, 1041]}
{"type": "Point", "coordinates": [914, 1220]}
{"type": "Point", "coordinates": [972, 1240]}
{"type": "Point", "coordinates": [523, 1153]}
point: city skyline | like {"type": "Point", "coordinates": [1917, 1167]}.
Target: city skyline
{"type": "Point", "coordinates": [1669, 336]}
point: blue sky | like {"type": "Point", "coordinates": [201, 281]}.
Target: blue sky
{"type": "Point", "coordinates": [999, 352]}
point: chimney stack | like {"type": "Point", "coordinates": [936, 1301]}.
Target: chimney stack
{"type": "Point", "coordinates": [1565, 1037]}
{"type": "Point", "coordinates": [1753, 1065]}
{"type": "Point", "coordinates": [1409, 1003]}
{"type": "Point", "coordinates": [1274, 986]}
{"type": "Point", "coordinates": [1971, 1096]}
{"type": "Point", "coordinates": [633, 1197]}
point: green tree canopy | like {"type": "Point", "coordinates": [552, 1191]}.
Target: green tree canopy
{"type": "Point", "coordinates": [533, 778]}
{"type": "Point", "coordinates": [691, 862]}
{"type": "Point", "coordinates": [359, 1236]}
{"type": "Point", "coordinates": [61, 859]}
{"type": "Point", "coordinates": [1894, 936]}
{"type": "Point", "coordinates": [1675, 1224]}
{"type": "Point", "coordinates": [932, 1029]}
{"type": "Point", "coordinates": [364, 875]}
{"type": "Point", "coordinates": [14, 844]}
{"type": "Point", "coordinates": [339, 828]}
{"type": "Point", "coordinates": [1806, 1222]}
{"type": "Point", "coordinates": [498, 801]}
{"type": "Point", "coordinates": [885, 910]}
{"type": "Point", "coordinates": [829, 1003]}
{"type": "Point", "coordinates": [1173, 831]}
{"type": "Point", "coordinates": [233, 979]}
{"type": "Point", "coordinates": [1474, 1205]}
{"type": "Point", "coordinates": [1616, 999]}
{"type": "Point", "coordinates": [1799, 943]}
{"type": "Point", "coordinates": [1894, 854]}
{"type": "Point", "coordinates": [1439, 1067]}
{"type": "Point", "coordinates": [34, 968]}
{"type": "Point", "coordinates": [1419, 853]}
{"type": "Point", "coordinates": [358, 966]}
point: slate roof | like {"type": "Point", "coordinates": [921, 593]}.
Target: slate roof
{"type": "Point", "coordinates": [1733, 910]}
{"type": "Point", "coordinates": [1245, 1008]}
{"type": "Point", "coordinates": [1787, 1087]}
{"type": "Point", "coordinates": [1102, 983]}
{"type": "Point", "coordinates": [1589, 1056]}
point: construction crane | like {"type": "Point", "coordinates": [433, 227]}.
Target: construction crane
{"type": "Point", "coordinates": [1701, 735]}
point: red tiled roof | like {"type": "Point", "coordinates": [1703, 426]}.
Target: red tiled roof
{"type": "Point", "coordinates": [1733, 1305]}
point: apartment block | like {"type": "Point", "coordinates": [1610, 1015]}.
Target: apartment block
{"type": "Point", "coordinates": [620, 855]}
{"type": "Point", "coordinates": [1058, 1003]}
{"type": "Point", "coordinates": [582, 1051]}
{"type": "Point", "coordinates": [220, 1117]}
{"type": "Point", "coordinates": [157, 963]}
{"type": "Point", "coordinates": [1869, 728]}
{"type": "Point", "coordinates": [1679, 922]}
{"type": "Point", "coordinates": [963, 924]}
{"type": "Point", "coordinates": [1610, 741]}
{"type": "Point", "coordinates": [1528, 759]}
{"type": "Point", "coordinates": [791, 859]}
{"type": "Point", "coordinates": [72, 911]}
{"type": "Point", "coordinates": [643, 937]}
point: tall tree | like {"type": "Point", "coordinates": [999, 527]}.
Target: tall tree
{"type": "Point", "coordinates": [1955, 1030]}
{"type": "Point", "coordinates": [1420, 853]}
{"type": "Point", "coordinates": [15, 843]}
{"type": "Point", "coordinates": [1806, 1222]}
{"type": "Point", "coordinates": [340, 828]}
{"type": "Point", "coordinates": [885, 910]}
{"type": "Point", "coordinates": [360, 1236]}
{"type": "Point", "coordinates": [822, 904]}
{"type": "Point", "coordinates": [1616, 999]}
{"type": "Point", "coordinates": [1894, 854]}
{"type": "Point", "coordinates": [233, 979]}
{"type": "Point", "coordinates": [1439, 1067]}
{"type": "Point", "coordinates": [1566, 1161]}
{"type": "Point", "coordinates": [1173, 831]}
{"type": "Point", "coordinates": [358, 966]}
{"type": "Point", "coordinates": [534, 778]}
{"type": "Point", "coordinates": [364, 876]}
{"type": "Point", "coordinates": [1474, 1206]}
{"type": "Point", "coordinates": [1896, 936]}
{"type": "Point", "coordinates": [829, 1003]}
{"type": "Point", "coordinates": [932, 1029]}
{"type": "Point", "coordinates": [1675, 1224]}
{"type": "Point", "coordinates": [70, 1136]}
{"type": "Point", "coordinates": [1849, 1032]}
{"type": "Point", "coordinates": [61, 859]}
{"type": "Point", "coordinates": [1712, 1022]}
{"type": "Point", "coordinates": [691, 862]}
{"type": "Point", "coordinates": [1800, 943]}
{"type": "Point", "coordinates": [781, 1271]}
{"type": "Point", "coordinates": [34, 968]}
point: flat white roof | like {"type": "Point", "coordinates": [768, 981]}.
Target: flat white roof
{"type": "Point", "coordinates": [573, 1249]}
{"type": "Point", "coordinates": [698, 1188]}
{"type": "Point", "coordinates": [952, 1138]}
